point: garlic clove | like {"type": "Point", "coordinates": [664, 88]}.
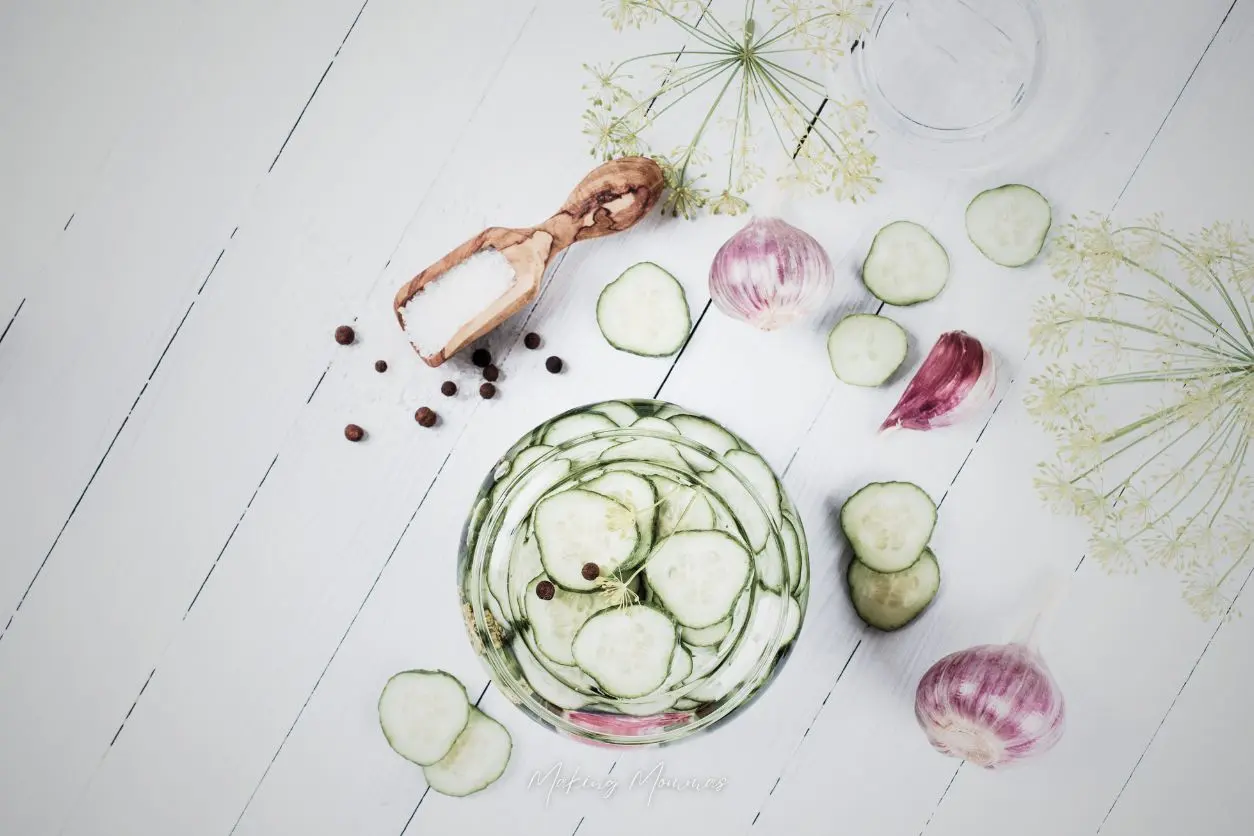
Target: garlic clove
{"type": "Point", "coordinates": [770, 274]}
{"type": "Point", "coordinates": [958, 378]}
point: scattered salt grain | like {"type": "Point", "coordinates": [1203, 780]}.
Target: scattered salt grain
{"type": "Point", "coordinates": [441, 308]}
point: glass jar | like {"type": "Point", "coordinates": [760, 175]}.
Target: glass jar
{"type": "Point", "coordinates": [681, 478]}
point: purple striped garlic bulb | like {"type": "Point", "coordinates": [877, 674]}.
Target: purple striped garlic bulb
{"type": "Point", "coordinates": [769, 274]}
{"type": "Point", "coordinates": [991, 705]}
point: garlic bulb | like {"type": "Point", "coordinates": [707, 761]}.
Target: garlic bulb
{"type": "Point", "coordinates": [769, 274]}
{"type": "Point", "coordinates": [956, 380]}
{"type": "Point", "coordinates": [990, 705]}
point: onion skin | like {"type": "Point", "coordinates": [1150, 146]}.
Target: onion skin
{"type": "Point", "coordinates": [991, 705]}
{"type": "Point", "coordinates": [770, 274]}
{"type": "Point", "coordinates": [958, 378]}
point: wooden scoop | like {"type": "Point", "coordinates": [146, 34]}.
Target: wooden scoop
{"type": "Point", "coordinates": [612, 198]}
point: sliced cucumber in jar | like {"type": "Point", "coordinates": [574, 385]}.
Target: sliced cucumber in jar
{"type": "Point", "coordinates": [706, 636]}
{"type": "Point", "coordinates": [706, 433]}
{"type": "Point", "coordinates": [759, 635]}
{"type": "Point", "coordinates": [477, 759]}
{"type": "Point", "coordinates": [554, 621]}
{"type": "Point", "coordinates": [644, 311]}
{"type": "Point", "coordinates": [890, 601]}
{"type": "Point", "coordinates": [638, 494]}
{"type": "Point", "coordinates": [698, 575]}
{"type": "Point", "coordinates": [588, 451]}
{"type": "Point", "coordinates": [627, 650]}
{"type": "Point", "coordinates": [422, 713]}
{"type": "Point", "coordinates": [541, 680]}
{"type": "Point", "coordinates": [759, 474]}
{"type": "Point", "coordinates": [741, 505]}
{"type": "Point", "coordinates": [618, 412]}
{"type": "Point", "coordinates": [770, 566]}
{"type": "Point", "coordinates": [792, 553]}
{"type": "Point", "coordinates": [657, 425]}
{"type": "Point", "coordinates": [577, 426]}
{"type": "Point", "coordinates": [683, 508]}
{"type": "Point", "coordinates": [906, 265]}
{"type": "Point", "coordinates": [888, 524]}
{"type": "Point", "coordinates": [866, 349]}
{"type": "Point", "coordinates": [1009, 224]}
{"type": "Point", "coordinates": [524, 564]}
{"type": "Point", "coordinates": [655, 450]}
{"type": "Point", "coordinates": [578, 527]}
{"type": "Point", "coordinates": [662, 699]}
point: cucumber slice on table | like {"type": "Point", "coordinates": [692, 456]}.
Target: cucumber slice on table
{"type": "Point", "coordinates": [866, 349]}
{"type": "Point", "coordinates": [476, 760]}
{"type": "Point", "coordinates": [577, 527]}
{"type": "Point", "coordinates": [644, 311]}
{"type": "Point", "coordinates": [1009, 224]}
{"type": "Point", "coordinates": [889, 601]}
{"type": "Point", "coordinates": [627, 650]}
{"type": "Point", "coordinates": [422, 714]}
{"type": "Point", "coordinates": [555, 622]}
{"type": "Point", "coordinates": [888, 524]}
{"type": "Point", "coordinates": [906, 265]}
{"type": "Point", "coordinates": [698, 575]}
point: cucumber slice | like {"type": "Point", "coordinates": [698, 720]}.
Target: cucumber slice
{"type": "Point", "coordinates": [759, 635]}
{"type": "Point", "coordinates": [577, 426]}
{"type": "Point", "coordinates": [422, 714]}
{"type": "Point", "coordinates": [888, 524]}
{"type": "Point", "coordinates": [657, 425]}
{"type": "Point", "coordinates": [681, 669]}
{"type": "Point", "coordinates": [637, 493]}
{"type": "Point", "coordinates": [476, 760]}
{"type": "Point", "coordinates": [906, 265]}
{"type": "Point", "coordinates": [706, 636]}
{"type": "Point", "coordinates": [703, 432]}
{"type": "Point", "coordinates": [543, 681]}
{"type": "Point", "coordinates": [656, 450]}
{"type": "Point", "coordinates": [866, 349]}
{"type": "Point", "coordinates": [1009, 224]}
{"type": "Point", "coordinates": [890, 601]}
{"type": "Point", "coordinates": [618, 412]}
{"type": "Point", "coordinates": [554, 622]}
{"type": "Point", "coordinates": [686, 704]}
{"type": "Point", "coordinates": [524, 564]}
{"type": "Point", "coordinates": [792, 553]}
{"type": "Point", "coordinates": [742, 506]}
{"type": "Point", "coordinates": [770, 566]}
{"type": "Point", "coordinates": [508, 472]}
{"type": "Point", "coordinates": [588, 451]}
{"type": "Point", "coordinates": [697, 575]}
{"type": "Point", "coordinates": [668, 411]}
{"type": "Point", "coordinates": [627, 650]}
{"type": "Point", "coordinates": [568, 675]}
{"type": "Point", "coordinates": [739, 617]}
{"type": "Point", "coordinates": [759, 474]}
{"type": "Point", "coordinates": [644, 311]}
{"type": "Point", "coordinates": [683, 508]}
{"type": "Point", "coordinates": [704, 661]}
{"type": "Point", "coordinates": [578, 527]}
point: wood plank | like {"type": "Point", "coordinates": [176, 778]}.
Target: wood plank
{"type": "Point", "coordinates": [1125, 647]}
{"type": "Point", "coordinates": [867, 723]}
{"type": "Point", "coordinates": [248, 359]}
{"type": "Point", "coordinates": [195, 130]}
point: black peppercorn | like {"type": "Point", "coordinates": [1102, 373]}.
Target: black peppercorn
{"type": "Point", "coordinates": [532, 340]}
{"type": "Point", "coordinates": [487, 390]}
{"type": "Point", "coordinates": [354, 433]}
{"type": "Point", "coordinates": [553, 364]}
{"type": "Point", "coordinates": [491, 372]}
{"type": "Point", "coordinates": [481, 357]}
{"type": "Point", "coordinates": [545, 590]}
{"type": "Point", "coordinates": [590, 571]}
{"type": "Point", "coordinates": [344, 335]}
{"type": "Point", "coordinates": [425, 416]}
{"type": "Point", "coordinates": [380, 366]}
{"type": "Point", "coordinates": [448, 388]}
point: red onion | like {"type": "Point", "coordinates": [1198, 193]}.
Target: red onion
{"type": "Point", "coordinates": [769, 274]}
{"type": "Point", "coordinates": [958, 377]}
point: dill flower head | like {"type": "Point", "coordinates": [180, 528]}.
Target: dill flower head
{"type": "Point", "coordinates": [1151, 398]}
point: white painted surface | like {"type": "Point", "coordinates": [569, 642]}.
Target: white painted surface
{"type": "Point", "coordinates": [228, 582]}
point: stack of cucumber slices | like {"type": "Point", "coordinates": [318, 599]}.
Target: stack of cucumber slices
{"type": "Point", "coordinates": [428, 719]}
{"type": "Point", "coordinates": [635, 560]}
{"type": "Point", "coordinates": [894, 575]}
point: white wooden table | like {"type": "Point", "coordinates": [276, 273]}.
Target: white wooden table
{"type": "Point", "coordinates": [203, 585]}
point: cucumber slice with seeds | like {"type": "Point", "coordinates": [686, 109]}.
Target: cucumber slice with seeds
{"type": "Point", "coordinates": [698, 575]}
{"type": "Point", "coordinates": [906, 265]}
{"type": "Point", "coordinates": [627, 650]}
{"type": "Point", "coordinates": [476, 760]}
{"type": "Point", "coordinates": [644, 311]}
{"type": "Point", "coordinates": [554, 622]}
{"type": "Point", "coordinates": [1009, 224]}
{"type": "Point", "coordinates": [422, 713]}
{"type": "Point", "coordinates": [889, 524]}
{"type": "Point", "coordinates": [866, 349]}
{"type": "Point", "coordinates": [638, 494]}
{"type": "Point", "coordinates": [578, 527]}
{"type": "Point", "coordinates": [890, 601]}
{"type": "Point", "coordinates": [577, 426]}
